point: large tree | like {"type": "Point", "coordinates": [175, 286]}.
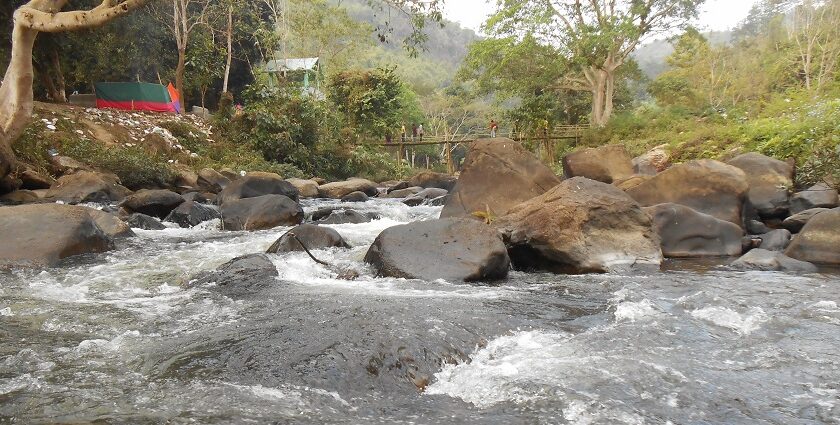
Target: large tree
{"type": "Point", "coordinates": [596, 37]}
{"type": "Point", "coordinates": [34, 17]}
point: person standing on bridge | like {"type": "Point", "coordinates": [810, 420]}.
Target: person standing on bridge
{"type": "Point", "coordinates": [494, 127]}
{"type": "Point", "coordinates": [420, 131]}
{"type": "Point", "coordinates": [402, 131]}
{"type": "Point", "coordinates": [413, 132]}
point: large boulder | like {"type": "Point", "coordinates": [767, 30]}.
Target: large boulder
{"type": "Point", "coordinates": [765, 260]}
{"type": "Point", "coordinates": [312, 236]}
{"type": "Point", "coordinates": [337, 190]}
{"type": "Point", "coordinates": [212, 181]}
{"type": "Point", "coordinates": [145, 222]}
{"type": "Point", "coordinates": [796, 222]}
{"type": "Point", "coordinates": [191, 213]}
{"type": "Point", "coordinates": [775, 240]}
{"type": "Point", "coordinates": [355, 197]}
{"type": "Point", "coordinates": [87, 186]}
{"type": "Point", "coordinates": [184, 178]}
{"type": "Point", "coordinates": [431, 179]}
{"type": "Point", "coordinates": [769, 180]}
{"type": "Point", "coordinates": [686, 233]}
{"type": "Point", "coordinates": [605, 164]}
{"type": "Point", "coordinates": [253, 185]}
{"type": "Point", "coordinates": [44, 234]}
{"type": "Point", "coordinates": [156, 203]}
{"type": "Point", "coordinates": [33, 180]}
{"type": "Point", "coordinates": [653, 162]}
{"type": "Point", "coordinates": [454, 249]}
{"type": "Point", "coordinates": [705, 185]}
{"type": "Point", "coordinates": [580, 226]}
{"type": "Point", "coordinates": [429, 196]}
{"type": "Point", "coordinates": [306, 188]}
{"type": "Point", "coordinates": [819, 240]}
{"type": "Point", "coordinates": [497, 175]}
{"type": "Point", "coordinates": [819, 195]}
{"type": "Point", "coordinates": [261, 212]}
{"type": "Point", "coordinates": [240, 277]}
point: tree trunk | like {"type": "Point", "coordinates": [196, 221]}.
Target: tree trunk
{"type": "Point", "coordinates": [16, 96]}
{"type": "Point", "coordinates": [60, 94]}
{"type": "Point", "coordinates": [603, 92]}
{"type": "Point", "coordinates": [179, 78]}
{"type": "Point", "coordinates": [229, 50]}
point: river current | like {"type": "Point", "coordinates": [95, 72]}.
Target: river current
{"type": "Point", "coordinates": [118, 338]}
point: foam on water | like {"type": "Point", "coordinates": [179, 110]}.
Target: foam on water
{"type": "Point", "coordinates": [743, 324]}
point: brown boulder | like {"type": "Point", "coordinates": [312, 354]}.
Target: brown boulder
{"type": "Point", "coordinates": [685, 233]}
{"type": "Point", "coordinates": [653, 161]}
{"type": "Point", "coordinates": [580, 226]}
{"type": "Point", "coordinates": [261, 212]}
{"type": "Point", "coordinates": [431, 179]}
{"type": "Point", "coordinates": [337, 190]}
{"type": "Point", "coordinates": [156, 203]}
{"type": "Point", "coordinates": [19, 197]}
{"type": "Point", "coordinates": [44, 234]}
{"type": "Point", "coordinates": [769, 180]}
{"type": "Point", "coordinates": [307, 188]}
{"type": "Point", "coordinates": [87, 186]}
{"type": "Point", "coordinates": [819, 240]}
{"type": "Point", "coordinates": [604, 164]}
{"type": "Point", "coordinates": [497, 175]}
{"type": "Point", "coordinates": [312, 236]}
{"type": "Point", "coordinates": [257, 184]}
{"type": "Point", "coordinates": [33, 180]}
{"type": "Point", "coordinates": [708, 186]}
{"type": "Point", "coordinates": [211, 180]}
{"type": "Point", "coordinates": [111, 224]}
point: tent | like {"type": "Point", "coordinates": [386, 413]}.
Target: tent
{"type": "Point", "coordinates": [136, 97]}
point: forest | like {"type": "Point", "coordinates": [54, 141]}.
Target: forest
{"type": "Point", "coordinates": [642, 78]}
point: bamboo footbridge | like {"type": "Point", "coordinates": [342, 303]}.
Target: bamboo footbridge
{"type": "Point", "coordinates": [564, 132]}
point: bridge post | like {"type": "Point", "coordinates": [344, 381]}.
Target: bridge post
{"type": "Point", "coordinates": [449, 165]}
{"type": "Point", "coordinates": [400, 153]}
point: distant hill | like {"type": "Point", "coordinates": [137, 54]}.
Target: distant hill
{"type": "Point", "coordinates": [651, 56]}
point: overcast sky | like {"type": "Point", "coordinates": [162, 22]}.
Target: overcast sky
{"type": "Point", "coordinates": [716, 15]}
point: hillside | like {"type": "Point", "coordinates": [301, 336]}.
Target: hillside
{"type": "Point", "coordinates": [652, 56]}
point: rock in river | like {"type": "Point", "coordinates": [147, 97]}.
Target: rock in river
{"type": "Point", "coordinates": [819, 240]}
{"type": "Point", "coordinates": [253, 185]}
{"type": "Point", "coordinates": [156, 203]}
{"type": "Point", "coordinates": [453, 249]}
{"type": "Point", "coordinates": [605, 164]}
{"type": "Point", "coordinates": [337, 190]}
{"type": "Point", "coordinates": [819, 195]}
{"type": "Point", "coordinates": [87, 186]}
{"type": "Point", "coordinates": [762, 259]}
{"type": "Point", "coordinates": [796, 222]}
{"type": "Point", "coordinates": [241, 276]}
{"type": "Point", "coordinates": [686, 233]}
{"type": "Point", "coordinates": [580, 226]}
{"type": "Point", "coordinates": [314, 237]}
{"type": "Point", "coordinates": [261, 212]}
{"type": "Point", "coordinates": [769, 180]}
{"type": "Point", "coordinates": [44, 234]}
{"type": "Point", "coordinates": [498, 174]}
{"type": "Point", "coordinates": [191, 213]}
{"type": "Point", "coordinates": [145, 222]}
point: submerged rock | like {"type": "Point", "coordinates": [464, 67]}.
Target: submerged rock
{"type": "Point", "coordinates": [819, 240]}
{"type": "Point", "coordinates": [156, 203]}
{"type": "Point", "coordinates": [769, 180]}
{"type": "Point", "coordinates": [686, 233]}
{"type": "Point", "coordinates": [580, 226]}
{"type": "Point", "coordinates": [261, 212]}
{"type": "Point", "coordinates": [314, 237]}
{"type": "Point", "coordinates": [145, 222]}
{"type": "Point", "coordinates": [708, 186]}
{"type": "Point", "coordinates": [191, 213]}
{"type": "Point", "coordinates": [605, 164]}
{"type": "Point", "coordinates": [44, 234]}
{"type": "Point", "coordinates": [453, 249]}
{"type": "Point", "coordinates": [337, 215]}
{"type": "Point", "coordinates": [820, 195]}
{"type": "Point", "coordinates": [762, 259]}
{"type": "Point", "coordinates": [254, 185]}
{"type": "Point", "coordinates": [497, 175]}
{"type": "Point", "coordinates": [241, 276]}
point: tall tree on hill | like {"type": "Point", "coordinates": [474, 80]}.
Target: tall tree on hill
{"type": "Point", "coordinates": [34, 17]}
{"type": "Point", "coordinates": [595, 36]}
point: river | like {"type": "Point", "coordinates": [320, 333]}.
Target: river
{"type": "Point", "coordinates": [117, 338]}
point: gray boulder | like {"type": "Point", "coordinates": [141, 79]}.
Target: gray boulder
{"type": "Point", "coordinates": [775, 240]}
{"type": "Point", "coordinates": [580, 226]}
{"type": "Point", "coordinates": [145, 222]}
{"type": "Point", "coordinates": [314, 237]}
{"type": "Point", "coordinates": [341, 216]}
{"type": "Point", "coordinates": [44, 234]}
{"type": "Point", "coordinates": [355, 197]}
{"type": "Point", "coordinates": [254, 185]}
{"type": "Point", "coordinates": [191, 213]}
{"type": "Point", "coordinates": [762, 259]}
{"type": "Point", "coordinates": [240, 277]}
{"type": "Point", "coordinates": [819, 240]}
{"type": "Point", "coordinates": [426, 196]}
{"type": "Point", "coordinates": [156, 203]}
{"type": "Point", "coordinates": [796, 222]}
{"type": "Point", "coordinates": [403, 193]}
{"type": "Point", "coordinates": [769, 180]}
{"type": "Point", "coordinates": [453, 249]}
{"type": "Point", "coordinates": [820, 195]}
{"type": "Point", "coordinates": [261, 212]}
{"type": "Point", "coordinates": [686, 233]}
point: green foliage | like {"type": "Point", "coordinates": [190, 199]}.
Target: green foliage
{"type": "Point", "coordinates": [371, 101]}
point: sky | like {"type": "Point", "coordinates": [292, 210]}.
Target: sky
{"type": "Point", "coordinates": [717, 15]}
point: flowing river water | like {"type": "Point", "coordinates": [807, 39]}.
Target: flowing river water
{"type": "Point", "coordinates": [117, 338]}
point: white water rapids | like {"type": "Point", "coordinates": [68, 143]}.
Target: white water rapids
{"type": "Point", "coordinates": [116, 338]}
